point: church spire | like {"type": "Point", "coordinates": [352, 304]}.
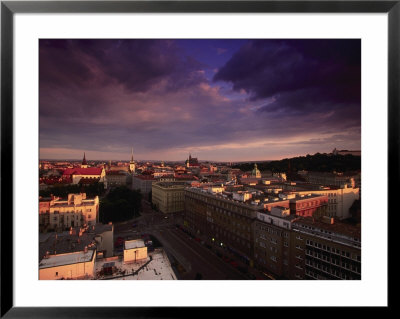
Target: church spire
{"type": "Point", "coordinates": [132, 164]}
{"type": "Point", "coordinates": [84, 163]}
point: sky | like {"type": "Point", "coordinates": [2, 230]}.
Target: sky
{"type": "Point", "coordinates": [217, 99]}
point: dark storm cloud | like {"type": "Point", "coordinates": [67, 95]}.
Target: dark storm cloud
{"type": "Point", "coordinates": [267, 68]}
{"type": "Point", "coordinates": [136, 64]}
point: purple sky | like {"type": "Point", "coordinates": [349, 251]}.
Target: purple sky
{"type": "Point", "coordinates": [227, 100]}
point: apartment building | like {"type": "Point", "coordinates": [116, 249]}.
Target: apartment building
{"type": "Point", "coordinates": [339, 199]}
{"type": "Point", "coordinates": [325, 249]}
{"type": "Point", "coordinates": [56, 214]}
{"type": "Point", "coordinates": [222, 220]}
{"type": "Point", "coordinates": [272, 238]}
{"type": "Point", "coordinates": [143, 183]}
{"type": "Point", "coordinates": [168, 197]}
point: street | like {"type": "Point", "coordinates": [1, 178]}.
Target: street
{"type": "Point", "coordinates": [193, 256]}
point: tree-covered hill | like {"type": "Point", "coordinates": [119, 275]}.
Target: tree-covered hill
{"type": "Point", "coordinates": [317, 162]}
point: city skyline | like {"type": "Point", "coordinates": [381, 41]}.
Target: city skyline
{"type": "Point", "coordinates": [221, 100]}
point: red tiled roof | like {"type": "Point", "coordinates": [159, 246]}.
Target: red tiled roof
{"type": "Point", "coordinates": [83, 171]}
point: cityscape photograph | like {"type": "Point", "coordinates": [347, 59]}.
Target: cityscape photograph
{"type": "Point", "coordinates": [199, 159]}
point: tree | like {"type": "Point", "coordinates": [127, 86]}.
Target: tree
{"type": "Point", "coordinates": [120, 204]}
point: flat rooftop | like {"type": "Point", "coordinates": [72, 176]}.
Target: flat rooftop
{"type": "Point", "coordinates": [337, 227]}
{"type": "Point", "coordinates": [135, 243]}
{"type": "Point", "coordinates": [158, 267]}
{"type": "Point", "coordinates": [65, 242]}
{"type": "Point", "coordinates": [66, 259]}
{"type": "Point", "coordinates": [171, 184]}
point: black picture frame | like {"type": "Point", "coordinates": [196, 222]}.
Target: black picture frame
{"type": "Point", "coordinates": [9, 8]}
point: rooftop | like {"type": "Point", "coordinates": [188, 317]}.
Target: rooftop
{"type": "Point", "coordinates": [156, 267]}
{"type": "Point", "coordinates": [337, 227]}
{"type": "Point", "coordinates": [171, 184]}
{"type": "Point", "coordinates": [66, 259]}
{"type": "Point", "coordinates": [305, 197]}
{"type": "Point", "coordinates": [83, 171]}
{"type": "Point", "coordinates": [65, 242]}
{"type": "Point", "coordinates": [136, 243]}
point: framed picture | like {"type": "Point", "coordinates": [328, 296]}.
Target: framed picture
{"type": "Point", "coordinates": [34, 32]}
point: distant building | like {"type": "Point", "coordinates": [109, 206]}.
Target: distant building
{"type": "Point", "coordinates": [333, 179]}
{"type": "Point", "coordinates": [84, 163]}
{"type": "Point", "coordinates": [339, 200]}
{"type": "Point", "coordinates": [132, 166]}
{"type": "Point", "coordinates": [309, 205]}
{"type": "Point", "coordinates": [241, 196]}
{"type": "Point", "coordinates": [192, 162]}
{"type": "Point", "coordinates": [115, 179]}
{"type": "Point", "coordinates": [119, 169]}
{"type": "Point", "coordinates": [168, 197]}
{"type": "Point", "coordinates": [57, 215]}
{"type": "Point", "coordinates": [255, 173]}
{"type": "Point", "coordinates": [74, 175]}
{"type": "Point", "coordinates": [143, 183]}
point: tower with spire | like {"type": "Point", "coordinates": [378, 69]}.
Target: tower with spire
{"type": "Point", "coordinates": [132, 164]}
{"type": "Point", "coordinates": [256, 172]}
{"type": "Point", "coordinates": [84, 163]}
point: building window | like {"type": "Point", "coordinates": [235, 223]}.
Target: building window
{"type": "Point", "coordinates": [56, 273]}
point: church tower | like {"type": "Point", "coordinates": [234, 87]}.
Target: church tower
{"type": "Point", "coordinates": [84, 163]}
{"type": "Point", "coordinates": [256, 172]}
{"type": "Point", "coordinates": [132, 164]}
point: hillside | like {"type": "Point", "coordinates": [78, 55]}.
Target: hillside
{"type": "Point", "coordinates": [317, 162]}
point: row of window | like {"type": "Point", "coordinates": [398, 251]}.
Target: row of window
{"type": "Point", "coordinates": [331, 271]}
{"type": "Point", "coordinates": [334, 250]}
{"type": "Point", "coordinates": [336, 262]}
